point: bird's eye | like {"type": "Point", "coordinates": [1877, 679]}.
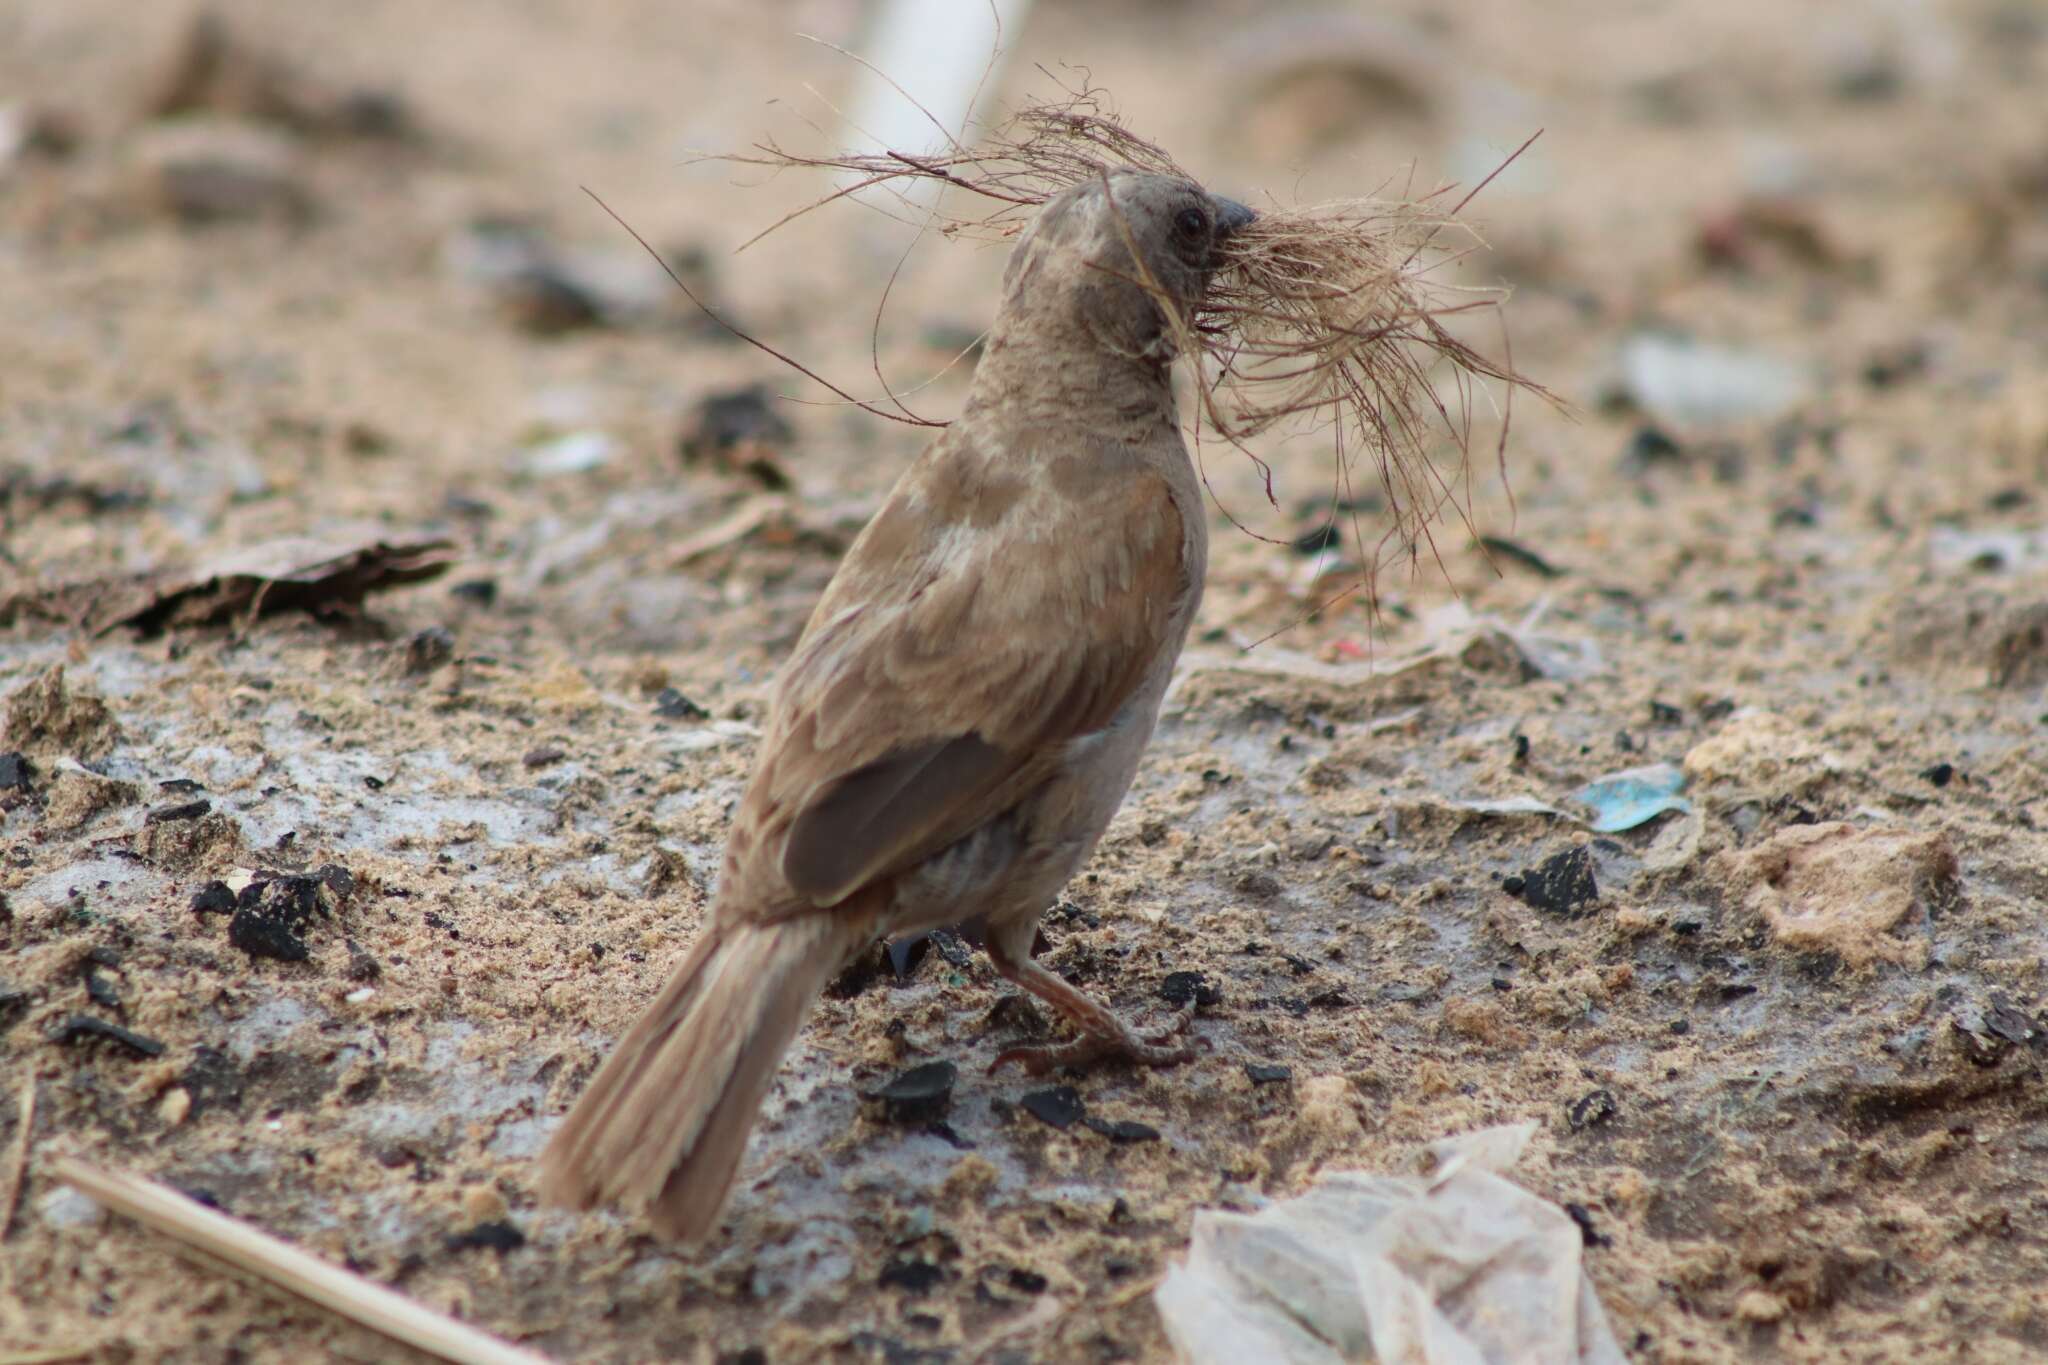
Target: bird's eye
{"type": "Point", "coordinates": [1190, 223]}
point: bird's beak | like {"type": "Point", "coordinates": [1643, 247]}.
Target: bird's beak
{"type": "Point", "coordinates": [1231, 216]}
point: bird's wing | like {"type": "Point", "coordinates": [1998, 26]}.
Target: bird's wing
{"type": "Point", "coordinates": [945, 668]}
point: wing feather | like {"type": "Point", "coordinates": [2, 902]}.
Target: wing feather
{"type": "Point", "coordinates": [942, 674]}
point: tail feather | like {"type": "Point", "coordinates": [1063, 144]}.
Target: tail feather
{"type": "Point", "coordinates": [665, 1121]}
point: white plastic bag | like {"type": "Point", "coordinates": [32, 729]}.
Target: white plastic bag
{"type": "Point", "coordinates": [1455, 1267]}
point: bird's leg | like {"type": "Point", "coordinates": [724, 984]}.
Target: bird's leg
{"type": "Point", "coordinates": [1102, 1034]}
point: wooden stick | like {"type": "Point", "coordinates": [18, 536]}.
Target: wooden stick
{"type": "Point", "coordinates": [298, 1272]}
{"type": "Point", "coordinates": [19, 1162]}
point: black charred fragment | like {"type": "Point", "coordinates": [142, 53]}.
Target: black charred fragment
{"type": "Point", "coordinates": [214, 898]}
{"type": "Point", "coordinates": [100, 988]}
{"type": "Point", "coordinates": [83, 1028]}
{"type": "Point", "coordinates": [184, 810]}
{"type": "Point", "coordinates": [1026, 1281]}
{"type": "Point", "coordinates": [1060, 1106]}
{"type": "Point", "coordinates": [671, 704]}
{"type": "Point", "coordinates": [912, 1275]}
{"type": "Point", "coordinates": [1261, 1073]}
{"type": "Point", "coordinates": [1121, 1130]}
{"type": "Point", "coordinates": [497, 1236]}
{"type": "Point", "coordinates": [1560, 885]}
{"type": "Point", "coordinates": [1180, 987]}
{"type": "Point", "coordinates": [1592, 1110]}
{"type": "Point", "coordinates": [920, 1095]}
{"type": "Point", "coordinates": [272, 914]}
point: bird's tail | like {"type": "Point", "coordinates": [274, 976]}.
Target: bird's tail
{"type": "Point", "coordinates": [665, 1120]}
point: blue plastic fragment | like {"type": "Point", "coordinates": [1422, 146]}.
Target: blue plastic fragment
{"type": "Point", "coordinates": [1633, 797]}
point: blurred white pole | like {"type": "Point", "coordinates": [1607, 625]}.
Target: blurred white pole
{"type": "Point", "coordinates": [943, 54]}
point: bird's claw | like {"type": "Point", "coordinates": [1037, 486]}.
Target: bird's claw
{"type": "Point", "coordinates": [1151, 1049]}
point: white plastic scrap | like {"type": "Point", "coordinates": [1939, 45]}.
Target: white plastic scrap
{"type": "Point", "coordinates": [1456, 1267]}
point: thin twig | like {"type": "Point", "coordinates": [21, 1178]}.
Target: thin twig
{"type": "Point", "coordinates": [713, 314]}
{"type": "Point", "coordinates": [383, 1310]}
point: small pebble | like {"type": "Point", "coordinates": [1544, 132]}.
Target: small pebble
{"type": "Point", "coordinates": [174, 1106]}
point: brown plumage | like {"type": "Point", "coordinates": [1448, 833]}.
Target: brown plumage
{"type": "Point", "coordinates": [965, 709]}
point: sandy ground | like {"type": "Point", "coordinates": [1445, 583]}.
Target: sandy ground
{"type": "Point", "coordinates": [1787, 1058]}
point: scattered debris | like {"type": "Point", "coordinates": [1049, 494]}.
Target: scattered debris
{"type": "Point", "coordinates": [47, 718]}
{"type": "Point", "coordinates": [429, 649]}
{"type": "Point", "coordinates": [1762, 752]}
{"type": "Point", "coordinates": [1848, 891]}
{"type": "Point", "coordinates": [33, 132]}
{"type": "Point", "coordinates": [1990, 1030]}
{"type": "Point", "coordinates": [1561, 884]}
{"type": "Point", "coordinates": [1686, 383]}
{"type": "Point", "coordinates": [207, 171]}
{"type": "Point", "coordinates": [738, 431]}
{"type": "Point", "coordinates": [273, 911]}
{"type": "Point", "coordinates": [1634, 796]}
{"type": "Point", "coordinates": [771, 519]}
{"type": "Point", "coordinates": [1591, 1110]}
{"type": "Point", "coordinates": [77, 794]}
{"type": "Point", "coordinates": [17, 774]}
{"type": "Point", "coordinates": [919, 1095]}
{"type": "Point", "coordinates": [545, 302]}
{"type": "Point", "coordinates": [1121, 1131]}
{"type": "Point", "coordinates": [215, 71]}
{"type": "Point", "coordinates": [1762, 228]}
{"type": "Point", "coordinates": [671, 704]}
{"type": "Point", "coordinates": [572, 452]}
{"type": "Point", "coordinates": [498, 1236]}
{"type": "Point", "coordinates": [1510, 805]}
{"type": "Point", "coordinates": [1452, 1267]}
{"type": "Point", "coordinates": [1955, 549]}
{"type": "Point", "coordinates": [911, 1274]}
{"type": "Point", "coordinates": [78, 1028]}
{"type": "Point", "coordinates": [1518, 554]}
{"type": "Point", "coordinates": [1180, 987]}
{"type": "Point", "coordinates": [327, 579]}
{"type": "Point", "coordinates": [1059, 1106]}
{"type": "Point", "coordinates": [2019, 653]}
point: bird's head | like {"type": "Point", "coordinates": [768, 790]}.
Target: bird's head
{"type": "Point", "coordinates": [1075, 267]}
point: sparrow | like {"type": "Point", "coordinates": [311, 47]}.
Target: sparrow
{"type": "Point", "coordinates": [965, 709]}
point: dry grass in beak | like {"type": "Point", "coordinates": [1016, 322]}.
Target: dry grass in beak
{"type": "Point", "coordinates": [1331, 315]}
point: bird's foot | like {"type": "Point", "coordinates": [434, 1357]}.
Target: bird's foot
{"type": "Point", "coordinates": [1104, 1037]}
